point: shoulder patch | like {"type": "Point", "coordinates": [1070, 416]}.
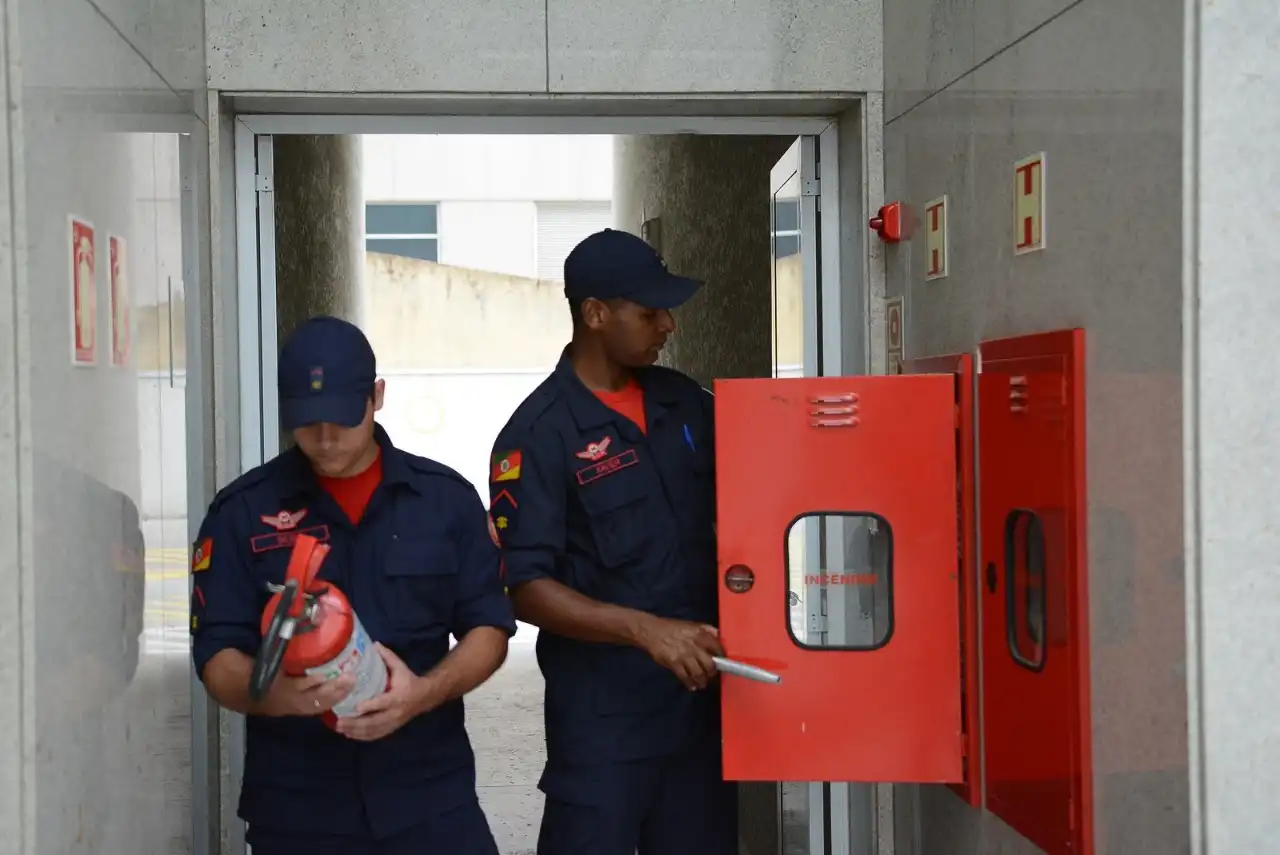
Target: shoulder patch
{"type": "Point", "coordinates": [202, 555]}
{"type": "Point", "coordinates": [505, 466]}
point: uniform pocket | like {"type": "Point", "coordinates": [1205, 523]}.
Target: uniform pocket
{"type": "Point", "coordinates": [421, 585]}
{"type": "Point", "coordinates": [617, 516]}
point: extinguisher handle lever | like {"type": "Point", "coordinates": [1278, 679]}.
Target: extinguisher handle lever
{"type": "Point", "coordinates": [304, 565]}
{"type": "Point", "coordinates": [266, 665]}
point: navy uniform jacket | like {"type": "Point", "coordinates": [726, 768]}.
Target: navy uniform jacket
{"type": "Point", "coordinates": [420, 565]}
{"type": "Point", "coordinates": [581, 496]}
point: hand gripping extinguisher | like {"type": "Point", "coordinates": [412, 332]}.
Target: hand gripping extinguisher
{"type": "Point", "coordinates": [309, 627]}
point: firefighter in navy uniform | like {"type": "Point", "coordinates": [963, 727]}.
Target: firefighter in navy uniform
{"type": "Point", "coordinates": [602, 492]}
{"type": "Point", "coordinates": [413, 549]}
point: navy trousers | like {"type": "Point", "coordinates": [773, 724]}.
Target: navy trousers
{"type": "Point", "coordinates": [664, 806]}
{"type": "Point", "coordinates": [461, 831]}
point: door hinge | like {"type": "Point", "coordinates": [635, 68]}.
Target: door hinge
{"type": "Point", "coordinates": [262, 183]}
{"type": "Point", "coordinates": [817, 623]}
{"type": "Point", "coordinates": [812, 187]}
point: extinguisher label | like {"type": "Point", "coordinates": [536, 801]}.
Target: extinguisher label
{"type": "Point", "coordinates": [361, 659]}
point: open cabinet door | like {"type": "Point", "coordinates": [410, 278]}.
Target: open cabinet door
{"type": "Point", "coordinates": [880, 701]}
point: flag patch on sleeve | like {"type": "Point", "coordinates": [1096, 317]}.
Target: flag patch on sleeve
{"type": "Point", "coordinates": [506, 466]}
{"type": "Point", "coordinates": [202, 555]}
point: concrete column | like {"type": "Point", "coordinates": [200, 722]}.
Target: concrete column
{"type": "Point", "coordinates": [1232, 456]}
{"type": "Point", "coordinates": [319, 229]}
{"type": "Point", "coordinates": [319, 208]}
{"type": "Point", "coordinates": [705, 200]}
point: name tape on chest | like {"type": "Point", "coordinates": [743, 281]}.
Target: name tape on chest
{"type": "Point", "coordinates": [608, 466]}
{"type": "Point", "coordinates": [286, 539]}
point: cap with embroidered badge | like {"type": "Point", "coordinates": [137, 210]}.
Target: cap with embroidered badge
{"type": "Point", "coordinates": [611, 264]}
{"type": "Point", "coordinates": [325, 373]}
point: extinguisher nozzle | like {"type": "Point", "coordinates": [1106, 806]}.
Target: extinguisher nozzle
{"type": "Point", "coordinates": [266, 665]}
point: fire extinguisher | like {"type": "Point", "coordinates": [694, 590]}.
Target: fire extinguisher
{"type": "Point", "coordinates": [309, 627]}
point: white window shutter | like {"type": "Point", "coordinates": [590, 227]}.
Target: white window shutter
{"type": "Point", "coordinates": [561, 225]}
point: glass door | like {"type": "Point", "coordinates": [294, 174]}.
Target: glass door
{"type": "Point", "coordinates": [259, 416]}
{"type": "Point", "coordinates": [827, 556]}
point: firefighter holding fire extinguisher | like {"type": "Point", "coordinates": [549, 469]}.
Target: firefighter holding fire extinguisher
{"type": "Point", "coordinates": [410, 548]}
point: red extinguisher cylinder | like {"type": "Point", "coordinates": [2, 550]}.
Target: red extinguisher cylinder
{"type": "Point", "coordinates": [309, 627]}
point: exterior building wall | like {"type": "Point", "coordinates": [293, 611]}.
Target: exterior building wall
{"type": "Point", "coordinates": [1097, 85]}
{"type": "Point", "coordinates": [500, 201]}
{"type": "Point", "coordinates": [501, 47]}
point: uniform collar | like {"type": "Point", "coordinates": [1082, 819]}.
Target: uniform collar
{"type": "Point", "coordinates": [590, 412]}
{"type": "Point", "coordinates": [301, 478]}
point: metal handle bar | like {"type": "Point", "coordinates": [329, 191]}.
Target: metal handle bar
{"type": "Point", "coordinates": [742, 669]}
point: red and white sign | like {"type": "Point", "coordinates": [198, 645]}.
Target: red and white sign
{"type": "Point", "coordinates": [1028, 198]}
{"type": "Point", "coordinates": [120, 326]}
{"type": "Point", "coordinates": [84, 297]}
{"type": "Point", "coordinates": [893, 336]}
{"type": "Point", "coordinates": [935, 223]}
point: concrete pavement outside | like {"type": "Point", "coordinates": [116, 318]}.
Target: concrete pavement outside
{"type": "Point", "coordinates": [504, 720]}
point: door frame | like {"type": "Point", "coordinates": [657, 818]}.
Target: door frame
{"type": "Point", "coordinates": [841, 815]}
{"type": "Point", "coordinates": [844, 270]}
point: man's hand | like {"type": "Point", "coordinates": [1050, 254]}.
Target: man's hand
{"type": "Point", "coordinates": [682, 647]}
{"type": "Point", "coordinates": [305, 696]}
{"type": "Point", "coordinates": [406, 697]}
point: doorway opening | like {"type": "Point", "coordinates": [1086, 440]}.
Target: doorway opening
{"type": "Point", "coordinates": [448, 253]}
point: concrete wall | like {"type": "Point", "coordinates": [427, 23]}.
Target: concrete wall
{"type": "Point", "coordinates": [96, 715]}
{"type": "Point", "coordinates": [1233, 205]}
{"type": "Point", "coordinates": [460, 349]}
{"type": "Point", "coordinates": [1097, 84]}
{"type": "Point", "coordinates": [427, 315]}
{"type": "Point", "coordinates": [561, 46]}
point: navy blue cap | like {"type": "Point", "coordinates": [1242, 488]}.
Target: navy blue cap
{"type": "Point", "coordinates": [325, 373]}
{"type": "Point", "coordinates": [611, 264]}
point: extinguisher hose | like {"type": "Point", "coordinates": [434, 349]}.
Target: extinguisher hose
{"type": "Point", "coordinates": [266, 665]}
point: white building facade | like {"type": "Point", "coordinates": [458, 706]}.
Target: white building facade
{"type": "Point", "coordinates": [506, 204]}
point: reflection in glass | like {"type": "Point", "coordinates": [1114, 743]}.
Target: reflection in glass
{"type": "Point", "coordinates": [839, 580]}
{"type": "Point", "coordinates": [160, 695]}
